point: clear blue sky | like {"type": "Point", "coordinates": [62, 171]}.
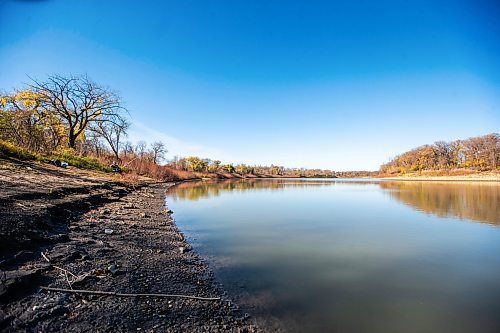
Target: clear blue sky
{"type": "Point", "coordinates": [330, 84]}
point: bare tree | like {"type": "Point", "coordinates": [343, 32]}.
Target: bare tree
{"type": "Point", "coordinates": [140, 149]}
{"type": "Point", "coordinates": [444, 152]}
{"type": "Point", "coordinates": [112, 130]}
{"type": "Point", "coordinates": [128, 149]}
{"type": "Point", "coordinates": [95, 145]}
{"type": "Point", "coordinates": [158, 151]}
{"type": "Point", "coordinates": [78, 101]}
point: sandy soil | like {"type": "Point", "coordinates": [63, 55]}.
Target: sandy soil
{"type": "Point", "coordinates": [447, 175]}
{"type": "Point", "coordinates": [478, 177]}
{"type": "Point", "coordinates": [102, 236]}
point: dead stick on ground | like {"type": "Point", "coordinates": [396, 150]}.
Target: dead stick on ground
{"type": "Point", "coordinates": [67, 280]}
{"type": "Point", "coordinates": [65, 271]}
{"type": "Point", "coordinates": [45, 257]}
{"type": "Point", "coordinates": [111, 293]}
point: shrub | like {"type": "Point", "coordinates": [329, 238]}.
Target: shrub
{"type": "Point", "coordinates": [82, 162]}
{"type": "Point", "coordinates": [8, 149]}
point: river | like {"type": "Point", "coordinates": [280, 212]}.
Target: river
{"type": "Point", "coordinates": [315, 255]}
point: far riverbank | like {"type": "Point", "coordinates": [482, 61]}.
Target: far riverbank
{"type": "Point", "coordinates": [438, 176]}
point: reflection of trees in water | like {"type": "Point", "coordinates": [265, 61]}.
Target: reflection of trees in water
{"type": "Point", "coordinates": [465, 200]}
{"type": "Point", "coordinates": [205, 189]}
{"type": "Point", "coordinates": [474, 201]}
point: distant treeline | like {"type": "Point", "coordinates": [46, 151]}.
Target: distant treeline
{"type": "Point", "coordinates": [197, 164]}
{"type": "Point", "coordinates": [480, 153]}
{"type": "Point", "coordinates": [356, 174]}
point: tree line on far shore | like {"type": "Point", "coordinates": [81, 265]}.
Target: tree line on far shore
{"type": "Point", "coordinates": [481, 153]}
{"type": "Point", "coordinates": [197, 164]}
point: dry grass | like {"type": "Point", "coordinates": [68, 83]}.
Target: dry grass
{"type": "Point", "coordinates": [452, 174]}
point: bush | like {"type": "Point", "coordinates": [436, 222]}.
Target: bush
{"type": "Point", "coordinates": [8, 149]}
{"type": "Point", "coordinates": [81, 162]}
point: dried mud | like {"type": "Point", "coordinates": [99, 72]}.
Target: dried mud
{"type": "Point", "coordinates": [99, 235]}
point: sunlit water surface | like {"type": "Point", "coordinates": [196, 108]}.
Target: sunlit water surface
{"type": "Point", "coordinates": [351, 255]}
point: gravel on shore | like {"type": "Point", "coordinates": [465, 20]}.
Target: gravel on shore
{"type": "Point", "coordinates": [76, 231]}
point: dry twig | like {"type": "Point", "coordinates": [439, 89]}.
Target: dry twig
{"type": "Point", "coordinates": [112, 293]}
{"type": "Point", "coordinates": [45, 257]}
{"type": "Point", "coordinates": [65, 271]}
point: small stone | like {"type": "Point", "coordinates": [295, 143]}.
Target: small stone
{"type": "Point", "coordinates": [108, 231]}
{"type": "Point", "coordinates": [113, 269]}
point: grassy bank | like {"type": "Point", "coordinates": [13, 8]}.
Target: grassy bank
{"type": "Point", "coordinates": [9, 150]}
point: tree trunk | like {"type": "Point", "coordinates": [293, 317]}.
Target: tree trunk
{"type": "Point", "coordinates": [117, 155]}
{"type": "Point", "coordinates": [72, 139]}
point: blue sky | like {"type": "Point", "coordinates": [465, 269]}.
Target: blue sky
{"type": "Point", "coordinates": [342, 85]}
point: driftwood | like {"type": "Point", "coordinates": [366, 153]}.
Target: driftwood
{"type": "Point", "coordinates": [112, 293]}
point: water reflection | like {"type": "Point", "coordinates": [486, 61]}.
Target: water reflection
{"type": "Point", "coordinates": [476, 201]}
{"type": "Point", "coordinates": [206, 189]}
{"type": "Point", "coordinates": [212, 188]}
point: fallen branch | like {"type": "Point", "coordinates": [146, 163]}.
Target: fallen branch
{"type": "Point", "coordinates": [112, 293]}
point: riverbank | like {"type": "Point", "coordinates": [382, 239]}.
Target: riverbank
{"type": "Point", "coordinates": [447, 175]}
{"type": "Point", "coordinates": [75, 229]}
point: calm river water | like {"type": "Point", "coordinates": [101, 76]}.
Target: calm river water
{"type": "Point", "coordinates": [351, 255]}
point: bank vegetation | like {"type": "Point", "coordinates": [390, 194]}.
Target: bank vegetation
{"type": "Point", "coordinates": [472, 155]}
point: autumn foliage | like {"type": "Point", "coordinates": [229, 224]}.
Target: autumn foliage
{"type": "Point", "coordinates": [480, 153]}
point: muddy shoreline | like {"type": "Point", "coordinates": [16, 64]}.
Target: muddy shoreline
{"type": "Point", "coordinates": [98, 235]}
